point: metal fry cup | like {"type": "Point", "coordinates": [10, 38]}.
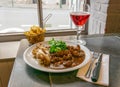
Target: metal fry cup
{"type": "Point", "coordinates": [35, 38]}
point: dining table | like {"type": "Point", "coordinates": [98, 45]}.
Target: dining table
{"type": "Point", "coordinates": [23, 75]}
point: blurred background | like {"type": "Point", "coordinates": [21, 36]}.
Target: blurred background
{"type": "Point", "coordinates": [19, 15]}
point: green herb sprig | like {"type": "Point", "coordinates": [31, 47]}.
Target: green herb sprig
{"type": "Point", "coordinates": [57, 45]}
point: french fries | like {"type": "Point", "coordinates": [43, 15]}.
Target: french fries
{"type": "Point", "coordinates": [36, 34]}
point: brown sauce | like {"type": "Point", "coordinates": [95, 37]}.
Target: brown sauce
{"type": "Point", "coordinates": [70, 57]}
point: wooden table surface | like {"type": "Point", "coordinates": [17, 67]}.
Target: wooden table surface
{"type": "Point", "coordinates": [25, 76]}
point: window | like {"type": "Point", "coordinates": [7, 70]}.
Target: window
{"type": "Point", "coordinates": [59, 9]}
{"type": "Point", "coordinates": [19, 15]}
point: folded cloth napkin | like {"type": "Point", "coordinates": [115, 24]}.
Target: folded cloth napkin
{"type": "Point", "coordinates": [104, 72]}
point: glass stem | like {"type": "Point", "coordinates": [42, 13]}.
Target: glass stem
{"type": "Point", "coordinates": [79, 30]}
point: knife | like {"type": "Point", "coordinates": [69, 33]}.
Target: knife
{"type": "Point", "coordinates": [96, 70]}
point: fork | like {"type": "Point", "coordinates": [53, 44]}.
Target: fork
{"type": "Point", "coordinates": [95, 56]}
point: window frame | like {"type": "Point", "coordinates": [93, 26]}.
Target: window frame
{"type": "Point", "coordinates": [6, 37]}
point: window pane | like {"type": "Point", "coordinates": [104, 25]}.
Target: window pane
{"type": "Point", "coordinates": [17, 15]}
{"type": "Point", "coordinates": [59, 9]}
{"type": "Point", "coordinates": [20, 15]}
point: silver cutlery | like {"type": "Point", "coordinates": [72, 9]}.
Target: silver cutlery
{"type": "Point", "coordinates": [95, 56]}
{"type": "Point", "coordinates": [96, 70]}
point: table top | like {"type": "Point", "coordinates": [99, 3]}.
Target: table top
{"type": "Point", "coordinates": [24, 76]}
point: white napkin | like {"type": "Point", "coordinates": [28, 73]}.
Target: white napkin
{"type": "Point", "coordinates": [104, 72]}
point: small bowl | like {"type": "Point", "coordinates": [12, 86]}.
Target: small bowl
{"type": "Point", "coordinates": [35, 38]}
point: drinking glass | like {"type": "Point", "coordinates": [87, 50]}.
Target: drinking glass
{"type": "Point", "coordinates": [79, 15]}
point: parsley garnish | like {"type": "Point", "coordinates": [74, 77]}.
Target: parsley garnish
{"type": "Point", "coordinates": [57, 45]}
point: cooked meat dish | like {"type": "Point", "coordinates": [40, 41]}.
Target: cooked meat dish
{"type": "Point", "coordinates": [70, 57]}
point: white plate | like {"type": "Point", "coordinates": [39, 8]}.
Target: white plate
{"type": "Point", "coordinates": [28, 58]}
